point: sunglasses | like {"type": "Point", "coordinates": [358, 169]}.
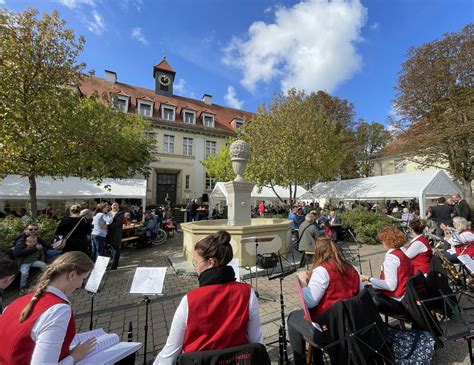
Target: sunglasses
{"type": "Point", "coordinates": [32, 229]}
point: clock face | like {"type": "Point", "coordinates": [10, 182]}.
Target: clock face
{"type": "Point", "coordinates": [165, 80]}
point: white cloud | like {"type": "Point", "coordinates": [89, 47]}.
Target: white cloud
{"type": "Point", "coordinates": [374, 26]}
{"type": "Point", "coordinates": [138, 35]}
{"type": "Point", "coordinates": [231, 98]}
{"type": "Point", "coordinates": [310, 46]}
{"type": "Point", "coordinates": [96, 24]}
{"type": "Point", "coordinates": [2, 2]}
{"type": "Point", "coordinates": [179, 86]}
{"type": "Point", "coordinates": [135, 4]}
{"type": "Point", "coordinates": [72, 4]}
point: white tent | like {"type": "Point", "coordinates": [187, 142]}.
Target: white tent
{"type": "Point", "coordinates": [422, 185]}
{"type": "Point", "coordinates": [266, 193]}
{"type": "Point", "coordinates": [15, 187]}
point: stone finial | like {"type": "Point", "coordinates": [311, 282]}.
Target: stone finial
{"type": "Point", "coordinates": [239, 152]}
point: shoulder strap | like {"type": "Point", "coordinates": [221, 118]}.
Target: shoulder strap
{"type": "Point", "coordinates": [72, 231]}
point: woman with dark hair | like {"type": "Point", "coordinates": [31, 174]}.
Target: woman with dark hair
{"type": "Point", "coordinates": [330, 280]}
{"type": "Point", "coordinates": [80, 228]}
{"type": "Point", "coordinates": [38, 327]}
{"type": "Point", "coordinates": [220, 313]}
{"type": "Point", "coordinates": [396, 270]}
{"type": "Point", "coordinates": [419, 249]}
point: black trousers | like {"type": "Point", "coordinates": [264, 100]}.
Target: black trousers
{"type": "Point", "coordinates": [298, 328]}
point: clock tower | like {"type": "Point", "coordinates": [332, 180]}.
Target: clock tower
{"type": "Point", "coordinates": [164, 77]}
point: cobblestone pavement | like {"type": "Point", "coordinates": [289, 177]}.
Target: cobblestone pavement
{"type": "Point", "coordinates": [114, 308]}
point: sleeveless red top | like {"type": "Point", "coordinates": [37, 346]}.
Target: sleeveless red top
{"type": "Point", "coordinates": [404, 271]}
{"type": "Point", "coordinates": [340, 287]}
{"type": "Point", "coordinates": [422, 261]}
{"type": "Point", "coordinates": [17, 346]}
{"type": "Point", "coordinates": [218, 317]}
{"type": "Point", "coordinates": [466, 248]}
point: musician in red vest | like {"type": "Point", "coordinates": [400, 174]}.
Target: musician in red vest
{"type": "Point", "coordinates": [220, 313]}
{"type": "Point", "coordinates": [419, 249]}
{"type": "Point", "coordinates": [396, 269]}
{"type": "Point", "coordinates": [38, 327]}
{"type": "Point", "coordinates": [330, 280]}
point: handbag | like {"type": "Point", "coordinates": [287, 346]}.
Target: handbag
{"type": "Point", "coordinates": [267, 260]}
{"type": "Point", "coordinates": [60, 242]}
{"type": "Point", "coordinates": [411, 346]}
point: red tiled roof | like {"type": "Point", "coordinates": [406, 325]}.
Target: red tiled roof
{"type": "Point", "coordinates": [223, 115]}
{"type": "Point", "coordinates": [165, 66]}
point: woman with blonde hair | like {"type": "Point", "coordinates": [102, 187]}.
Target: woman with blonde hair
{"type": "Point", "coordinates": [38, 328]}
{"type": "Point", "coordinates": [330, 280]}
{"type": "Point", "coordinates": [395, 272]}
{"type": "Point", "coordinates": [77, 228]}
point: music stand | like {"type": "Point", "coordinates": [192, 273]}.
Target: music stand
{"type": "Point", "coordinates": [249, 241]}
{"type": "Point", "coordinates": [93, 283]}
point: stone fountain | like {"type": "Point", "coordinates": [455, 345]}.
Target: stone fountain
{"type": "Point", "coordinates": [239, 224]}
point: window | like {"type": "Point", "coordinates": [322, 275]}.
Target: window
{"type": "Point", "coordinates": [145, 108]}
{"type": "Point", "coordinates": [187, 182]}
{"type": "Point", "coordinates": [239, 123]}
{"type": "Point", "coordinates": [187, 146]}
{"type": "Point", "coordinates": [167, 113]}
{"type": "Point", "coordinates": [210, 182]}
{"type": "Point", "coordinates": [168, 145]}
{"type": "Point", "coordinates": [189, 117]}
{"type": "Point", "coordinates": [208, 120]}
{"type": "Point", "coordinates": [210, 148]}
{"type": "Point", "coordinates": [121, 103]}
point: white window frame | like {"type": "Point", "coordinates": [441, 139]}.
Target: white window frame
{"type": "Point", "coordinates": [123, 98]}
{"type": "Point", "coordinates": [170, 107]}
{"type": "Point", "coordinates": [238, 123]}
{"type": "Point", "coordinates": [144, 102]}
{"type": "Point", "coordinates": [208, 148]}
{"type": "Point", "coordinates": [168, 144]}
{"type": "Point", "coordinates": [204, 115]}
{"type": "Point", "coordinates": [187, 147]}
{"type": "Point", "coordinates": [190, 112]}
{"type": "Point", "coordinates": [209, 182]}
{"type": "Point", "coordinates": [187, 182]}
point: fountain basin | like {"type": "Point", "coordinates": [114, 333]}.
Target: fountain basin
{"type": "Point", "coordinates": [277, 228]}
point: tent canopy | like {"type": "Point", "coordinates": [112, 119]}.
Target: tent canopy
{"type": "Point", "coordinates": [264, 193]}
{"type": "Point", "coordinates": [16, 187]}
{"type": "Point", "coordinates": [422, 185]}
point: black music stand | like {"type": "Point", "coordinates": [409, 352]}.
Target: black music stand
{"type": "Point", "coordinates": [256, 241]}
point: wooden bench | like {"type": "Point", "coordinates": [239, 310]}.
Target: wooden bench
{"type": "Point", "coordinates": [128, 239]}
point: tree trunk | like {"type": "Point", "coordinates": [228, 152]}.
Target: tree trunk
{"type": "Point", "coordinates": [278, 196]}
{"type": "Point", "coordinates": [467, 189]}
{"type": "Point", "coordinates": [33, 200]}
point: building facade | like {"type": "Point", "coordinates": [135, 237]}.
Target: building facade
{"type": "Point", "coordinates": [186, 131]}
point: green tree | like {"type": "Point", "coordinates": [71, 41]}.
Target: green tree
{"type": "Point", "coordinates": [293, 142]}
{"type": "Point", "coordinates": [435, 102]}
{"type": "Point", "coordinates": [47, 128]}
{"type": "Point", "coordinates": [370, 138]}
{"type": "Point", "coordinates": [219, 166]}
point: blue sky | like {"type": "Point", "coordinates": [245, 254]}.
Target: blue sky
{"type": "Point", "coordinates": [243, 51]}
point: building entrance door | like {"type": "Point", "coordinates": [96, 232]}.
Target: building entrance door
{"type": "Point", "coordinates": [166, 184]}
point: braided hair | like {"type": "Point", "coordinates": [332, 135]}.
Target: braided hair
{"type": "Point", "coordinates": [216, 246]}
{"type": "Point", "coordinates": [70, 261]}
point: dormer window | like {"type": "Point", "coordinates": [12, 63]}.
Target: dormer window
{"type": "Point", "coordinates": [238, 123]}
{"type": "Point", "coordinates": [189, 116]}
{"type": "Point", "coordinates": [145, 108]}
{"type": "Point", "coordinates": [208, 120]}
{"type": "Point", "coordinates": [168, 112]}
{"type": "Point", "coordinates": [121, 103]}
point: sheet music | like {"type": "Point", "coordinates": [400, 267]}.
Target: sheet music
{"type": "Point", "coordinates": [307, 315]}
{"type": "Point", "coordinates": [148, 280]}
{"type": "Point", "coordinates": [97, 274]}
{"type": "Point", "coordinates": [235, 263]}
{"type": "Point", "coordinates": [467, 261]}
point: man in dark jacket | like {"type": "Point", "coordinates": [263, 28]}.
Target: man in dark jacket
{"type": "Point", "coordinates": [114, 233]}
{"type": "Point", "coordinates": [442, 214]}
{"type": "Point", "coordinates": [462, 208]}
{"type": "Point", "coordinates": [8, 271]}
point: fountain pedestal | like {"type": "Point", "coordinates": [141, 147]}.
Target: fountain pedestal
{"type": "Point", "coordinates": [239, 202]}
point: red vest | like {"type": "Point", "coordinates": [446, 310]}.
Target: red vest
{"type": "Point", "coordinates": [466, 248]}
{"type": "Point", "coordinates": [340, 287]}
{"type": "Point", "coordinates": [422, 261]}
{"type": "Point", "coordinates": [218, 317]}
{"type": "Point", "coordinates": [16, 343]}
{"type": "Point", "coordinates": [404, 271]}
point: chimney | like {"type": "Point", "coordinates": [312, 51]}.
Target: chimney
{"type": "Point", "coordinates": [110, 76]}
{"type": "Point", "coordinates": [207, 99]}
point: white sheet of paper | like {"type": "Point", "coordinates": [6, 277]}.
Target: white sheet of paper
{"type": "Point", "coordinates": [148, 280]}
{"type": "Point", "coordinates": [97, 274]}
{"type": "Point", "coordinates": [235, 263]}
{"type": "Point", "coordinates": [467, 261]}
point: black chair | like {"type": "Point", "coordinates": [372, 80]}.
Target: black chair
{"type": "Point", "coordinates": [252, 353]}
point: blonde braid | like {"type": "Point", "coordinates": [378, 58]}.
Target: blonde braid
{"type": "Point", "coordinates": [48, 275]}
